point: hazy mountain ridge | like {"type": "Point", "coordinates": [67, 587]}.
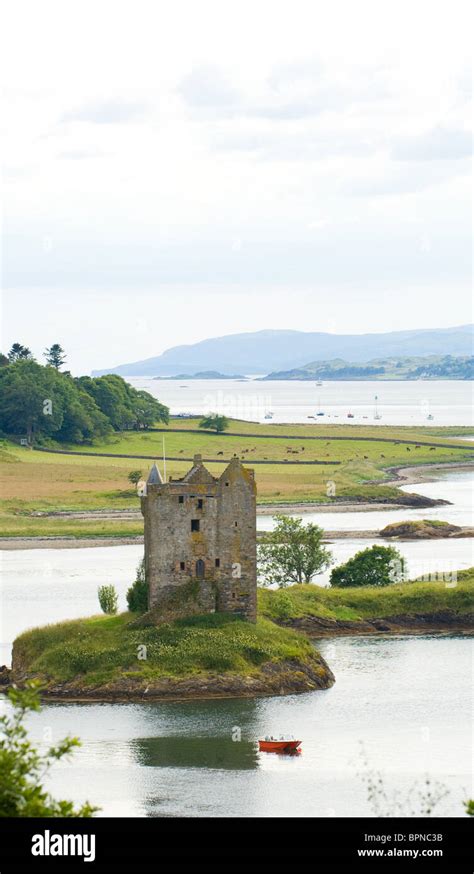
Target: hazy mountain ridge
{"type": "Point", "coordinates": [261, 352]}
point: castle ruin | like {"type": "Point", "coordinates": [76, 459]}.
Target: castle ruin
{"type": "Point", "coordinates": [200, 542]}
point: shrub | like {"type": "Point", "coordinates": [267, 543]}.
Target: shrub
{"type": "Point", "coordinates": [23, 767]}
{"type": "Point", "coordinates": [137, 595]}
{"type": "Point", "coordinates": [108, 599]}
{"type": "Point", "coordinates": [374, 566]}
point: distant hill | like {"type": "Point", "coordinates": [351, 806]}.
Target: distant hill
{"type": "Point", "coordinates": [204, 374]}
{"type": "Point", "coordinates": [265, 351]}
{"type": "Point", "coordinates": [429, 367]}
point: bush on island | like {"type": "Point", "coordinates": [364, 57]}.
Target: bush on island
{"type": "Point", "coordinates": [374, 566]}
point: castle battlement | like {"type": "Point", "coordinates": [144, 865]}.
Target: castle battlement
{"type": "Point", "coordinates": [200, 541]}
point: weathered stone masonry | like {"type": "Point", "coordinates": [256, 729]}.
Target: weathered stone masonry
{"type": "Point", "coordinates": [200, 541]}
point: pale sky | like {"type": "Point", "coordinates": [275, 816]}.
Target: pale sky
{"type": "Point", "coordinates": [180, 170]}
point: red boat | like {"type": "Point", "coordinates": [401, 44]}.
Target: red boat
{"type": "Point", "coordinates": [283, 745]}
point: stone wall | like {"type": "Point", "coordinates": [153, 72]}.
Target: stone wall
{"type": "Point", "coordinates": [202, 529]}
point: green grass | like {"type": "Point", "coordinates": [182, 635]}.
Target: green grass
{"type": "Point", "coordinates": [368, 602]}
{"type": "Point", "coordinates": [34, 482]}
{"type": "Point", "coordinates": [101, 649]}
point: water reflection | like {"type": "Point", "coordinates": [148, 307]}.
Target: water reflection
{"type": "Point", "coordinates": [195, 752]}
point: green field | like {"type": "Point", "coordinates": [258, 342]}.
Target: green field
{"type": "Point", "coordinates": [33, 482]}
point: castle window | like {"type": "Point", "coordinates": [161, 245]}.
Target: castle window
{"type": "Point", "coordinates": [236, 523]}
{"type": "Point", "coordinates": [227, 484]}
{"type": "Point", "coordinates": [233, 594]}
{"type": "Point", "coordinates": [182, 566]}
{"type": "Point", "coordinates": [200, 568]}
{"type": "Point", "coordinates": [218, 562]}
{"type": "Point", "coordinates": [181, 499]}
{"type": "Point", "coordinates": [200, 504]}
{"type": "Point", "coordinates": [194, 524]}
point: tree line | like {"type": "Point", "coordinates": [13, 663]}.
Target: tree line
{"type": "Point", "coordinates": [38, 401]}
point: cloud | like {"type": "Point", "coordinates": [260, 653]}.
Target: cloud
{"type": "Point", "coordinates": [278, 144]}
{"type": "Point", "coordinates": [208, 87]}
{"type": "Point", "coordinates": [111, 111]}
{"type": "Point", "coordinates": [407, 178]}
{"type": "Point", "coordinates": [302, 90]}
{"type": "Point", "coordinates": [438, 144]}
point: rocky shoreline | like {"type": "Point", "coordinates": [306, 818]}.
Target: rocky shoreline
{"type": "Point", "coordinates": [288, 677]}
{"type": "Point", "coordinates": [442, 622]}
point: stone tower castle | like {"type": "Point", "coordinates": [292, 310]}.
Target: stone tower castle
{"type": "Point", "coordinates": [200, 541]}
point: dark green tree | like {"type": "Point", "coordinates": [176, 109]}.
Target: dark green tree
{"type": "Point", "coordinates": [135, 476]}
{"type": "Point", "coordinates": [124, 406]}
{"type": "Point", "coordinates": [19, 353]}
{"type": "Point", "coordinates": [291, 553]}
{"type": "Point", "coordinates": [215, 422]}
{"type": "Point", "coordinates": [137, 594]}
{"type": "Point", "coordinates": [23, 768]}
{"type": "Point", "coordinates": [28, 400]}
{"type": "Point", "coordinates": [55, 356]}
{"type": "Point", "coordinates": [374, 566]}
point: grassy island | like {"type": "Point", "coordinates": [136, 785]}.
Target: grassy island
{"type": "Point", "coordinates": [425, 529]}
{"type": "Point", "coordinates": [438, 605]}
{"type": "Point", "coordinates": [121, 658]}
{"type": "Point", "coordinates": [105, 657]}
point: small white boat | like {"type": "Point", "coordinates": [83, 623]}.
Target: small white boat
{"type": "Point", "coordinates": [430, 417]}
{"type": "Point", "coordinates": [268, 415]}
{"type": "Point", "coordinates": [377, 415]}
{"type": "Point", "coordinates": [319, 382]}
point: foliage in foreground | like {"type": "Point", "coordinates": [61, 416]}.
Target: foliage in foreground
{"type": "Point", "coordinates": [291, 553]}
{"type": "Point", "coordinates": [421, 799]}
{"type": "Point", "coordinates": [23, 767]}
{"type": "Point", "coordinates": [374, 566]}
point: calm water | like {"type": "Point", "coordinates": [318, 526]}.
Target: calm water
{"type": "Point", "coordinates": [399, 403]}
{"type": "Point", "coordinates": [406, 699]}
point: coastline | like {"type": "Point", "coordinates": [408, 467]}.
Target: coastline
{"type": "Point", "coordinates": [441, 623]}
{"type": "Point", "coordinates": [287, 677]}
{"type": "Point", "coordinates": [405, 475]}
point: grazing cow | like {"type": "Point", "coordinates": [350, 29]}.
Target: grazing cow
{"type": "Point", "coordinates": [220, 453]}
{"type": "Point", "coordinates": [432, 448]}
{"type": "Point", "coordinates": [408, 449]}
{"type": "Point", "coordinates": [382, 456]}
{"type": "Point", "coordinates": [417, 447]}
{"type": "Point", "coordinates": [181, 450]}
{"type": "Point", "coordinates": [366, 457]}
